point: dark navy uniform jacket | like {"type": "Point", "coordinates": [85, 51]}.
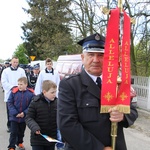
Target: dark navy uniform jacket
{"type": "Point", "coordinates": [32, 80]}
{"type": "Point", "coordinates": [82, 125]}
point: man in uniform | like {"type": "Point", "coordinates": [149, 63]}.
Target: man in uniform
{"type": "Point", "coordinates": [81, 124]}
{"type": "Point", "coordinates": [32, 76]}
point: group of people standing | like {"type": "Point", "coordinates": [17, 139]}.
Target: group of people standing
{"type": "Point", "coordinates": [70, 106]}
{"type": "Point", "coordinates": [31, 100]}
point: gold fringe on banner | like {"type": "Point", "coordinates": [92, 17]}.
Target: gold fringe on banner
{"type": "Point", "coordinates": [121, 108]}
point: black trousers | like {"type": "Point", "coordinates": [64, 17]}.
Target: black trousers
{"type": "Point", "coordinates": [16, 133]}
{"type": "Point", "coordinates": [8, 122]}
{"type": "Point", "coordinates": [39, 147]}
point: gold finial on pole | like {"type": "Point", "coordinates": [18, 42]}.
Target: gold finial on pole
{"type": "Point", "coordinates": [121, 9]}
{"type": "Point", "coordinates": [120, 5]}
{"type": "Point", "coordinates": [133, 21]}
{"type": "Point", "coordinates": [105, 10]}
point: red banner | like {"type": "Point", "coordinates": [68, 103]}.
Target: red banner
{"type": "Point", "coordinates": [123, 97]}
{"type": "Point", "coordinates": [116, 63]}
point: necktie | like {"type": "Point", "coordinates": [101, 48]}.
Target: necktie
{"type": "Point", "coordinates": [98, 81]}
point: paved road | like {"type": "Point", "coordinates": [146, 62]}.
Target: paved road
{"type": "Point", "coordinates": [137, 137]}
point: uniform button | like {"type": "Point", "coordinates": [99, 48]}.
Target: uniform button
{"type": "Point", "coordinates": [87, 104]}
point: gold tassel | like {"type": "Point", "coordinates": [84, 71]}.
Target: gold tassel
{"type": "Point", "coordinates": [121, 108]}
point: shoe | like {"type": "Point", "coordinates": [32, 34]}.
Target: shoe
{"type": "Point", "coordinates": [21, 147]}
{"type": "Point", "coordinates": [11, 149]}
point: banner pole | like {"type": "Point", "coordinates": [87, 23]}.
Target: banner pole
{"type": "Point", "coordinates": [114, 125]}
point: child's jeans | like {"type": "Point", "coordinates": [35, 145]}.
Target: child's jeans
{"type": "Point", "coordinates": [16, 133]}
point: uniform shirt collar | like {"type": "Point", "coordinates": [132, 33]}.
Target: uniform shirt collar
{"type": "Point", "coordinates": [94, 78]}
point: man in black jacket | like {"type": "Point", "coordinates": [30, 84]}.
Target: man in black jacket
{"type": "Point", "coordinates": [81, 124]}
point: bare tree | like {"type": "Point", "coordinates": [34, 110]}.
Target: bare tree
{"type": "Point", "coordinates": [87, 18]}
{"type": "Point", "coordinates": [140, 11]}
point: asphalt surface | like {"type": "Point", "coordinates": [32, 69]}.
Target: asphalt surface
{"type": "Point", "coordinates": [137, 136]}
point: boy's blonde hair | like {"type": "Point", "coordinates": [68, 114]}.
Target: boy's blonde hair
{"type": "Point", "coordinates": [23, 79]}
{"type": "Point", "coordinates": [48, 84]}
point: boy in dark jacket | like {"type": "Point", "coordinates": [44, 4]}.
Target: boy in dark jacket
{"type": "Point", "coordinates": [18, 102]}
{"type": "Point", "coordinates": [41, 117]}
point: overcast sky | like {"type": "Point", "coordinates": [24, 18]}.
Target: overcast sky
{"type": "Point", "coordinates": [11, 16]}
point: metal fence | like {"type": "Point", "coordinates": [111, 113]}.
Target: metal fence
{"type": "Point", "coordinates": [142, 87]}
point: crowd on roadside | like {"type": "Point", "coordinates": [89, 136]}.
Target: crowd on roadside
{"type": "Point", "coordinates": [66, 110]}
{"type": "Point", "coordinates": [21, 84]}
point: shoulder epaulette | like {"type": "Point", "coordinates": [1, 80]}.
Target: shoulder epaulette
{"type": "Point", "coordinates": [31, 90]}
{"type": "Point", "coordinates": [15, 89]}
{"type": "Point", "coordinates": [71, 76]}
